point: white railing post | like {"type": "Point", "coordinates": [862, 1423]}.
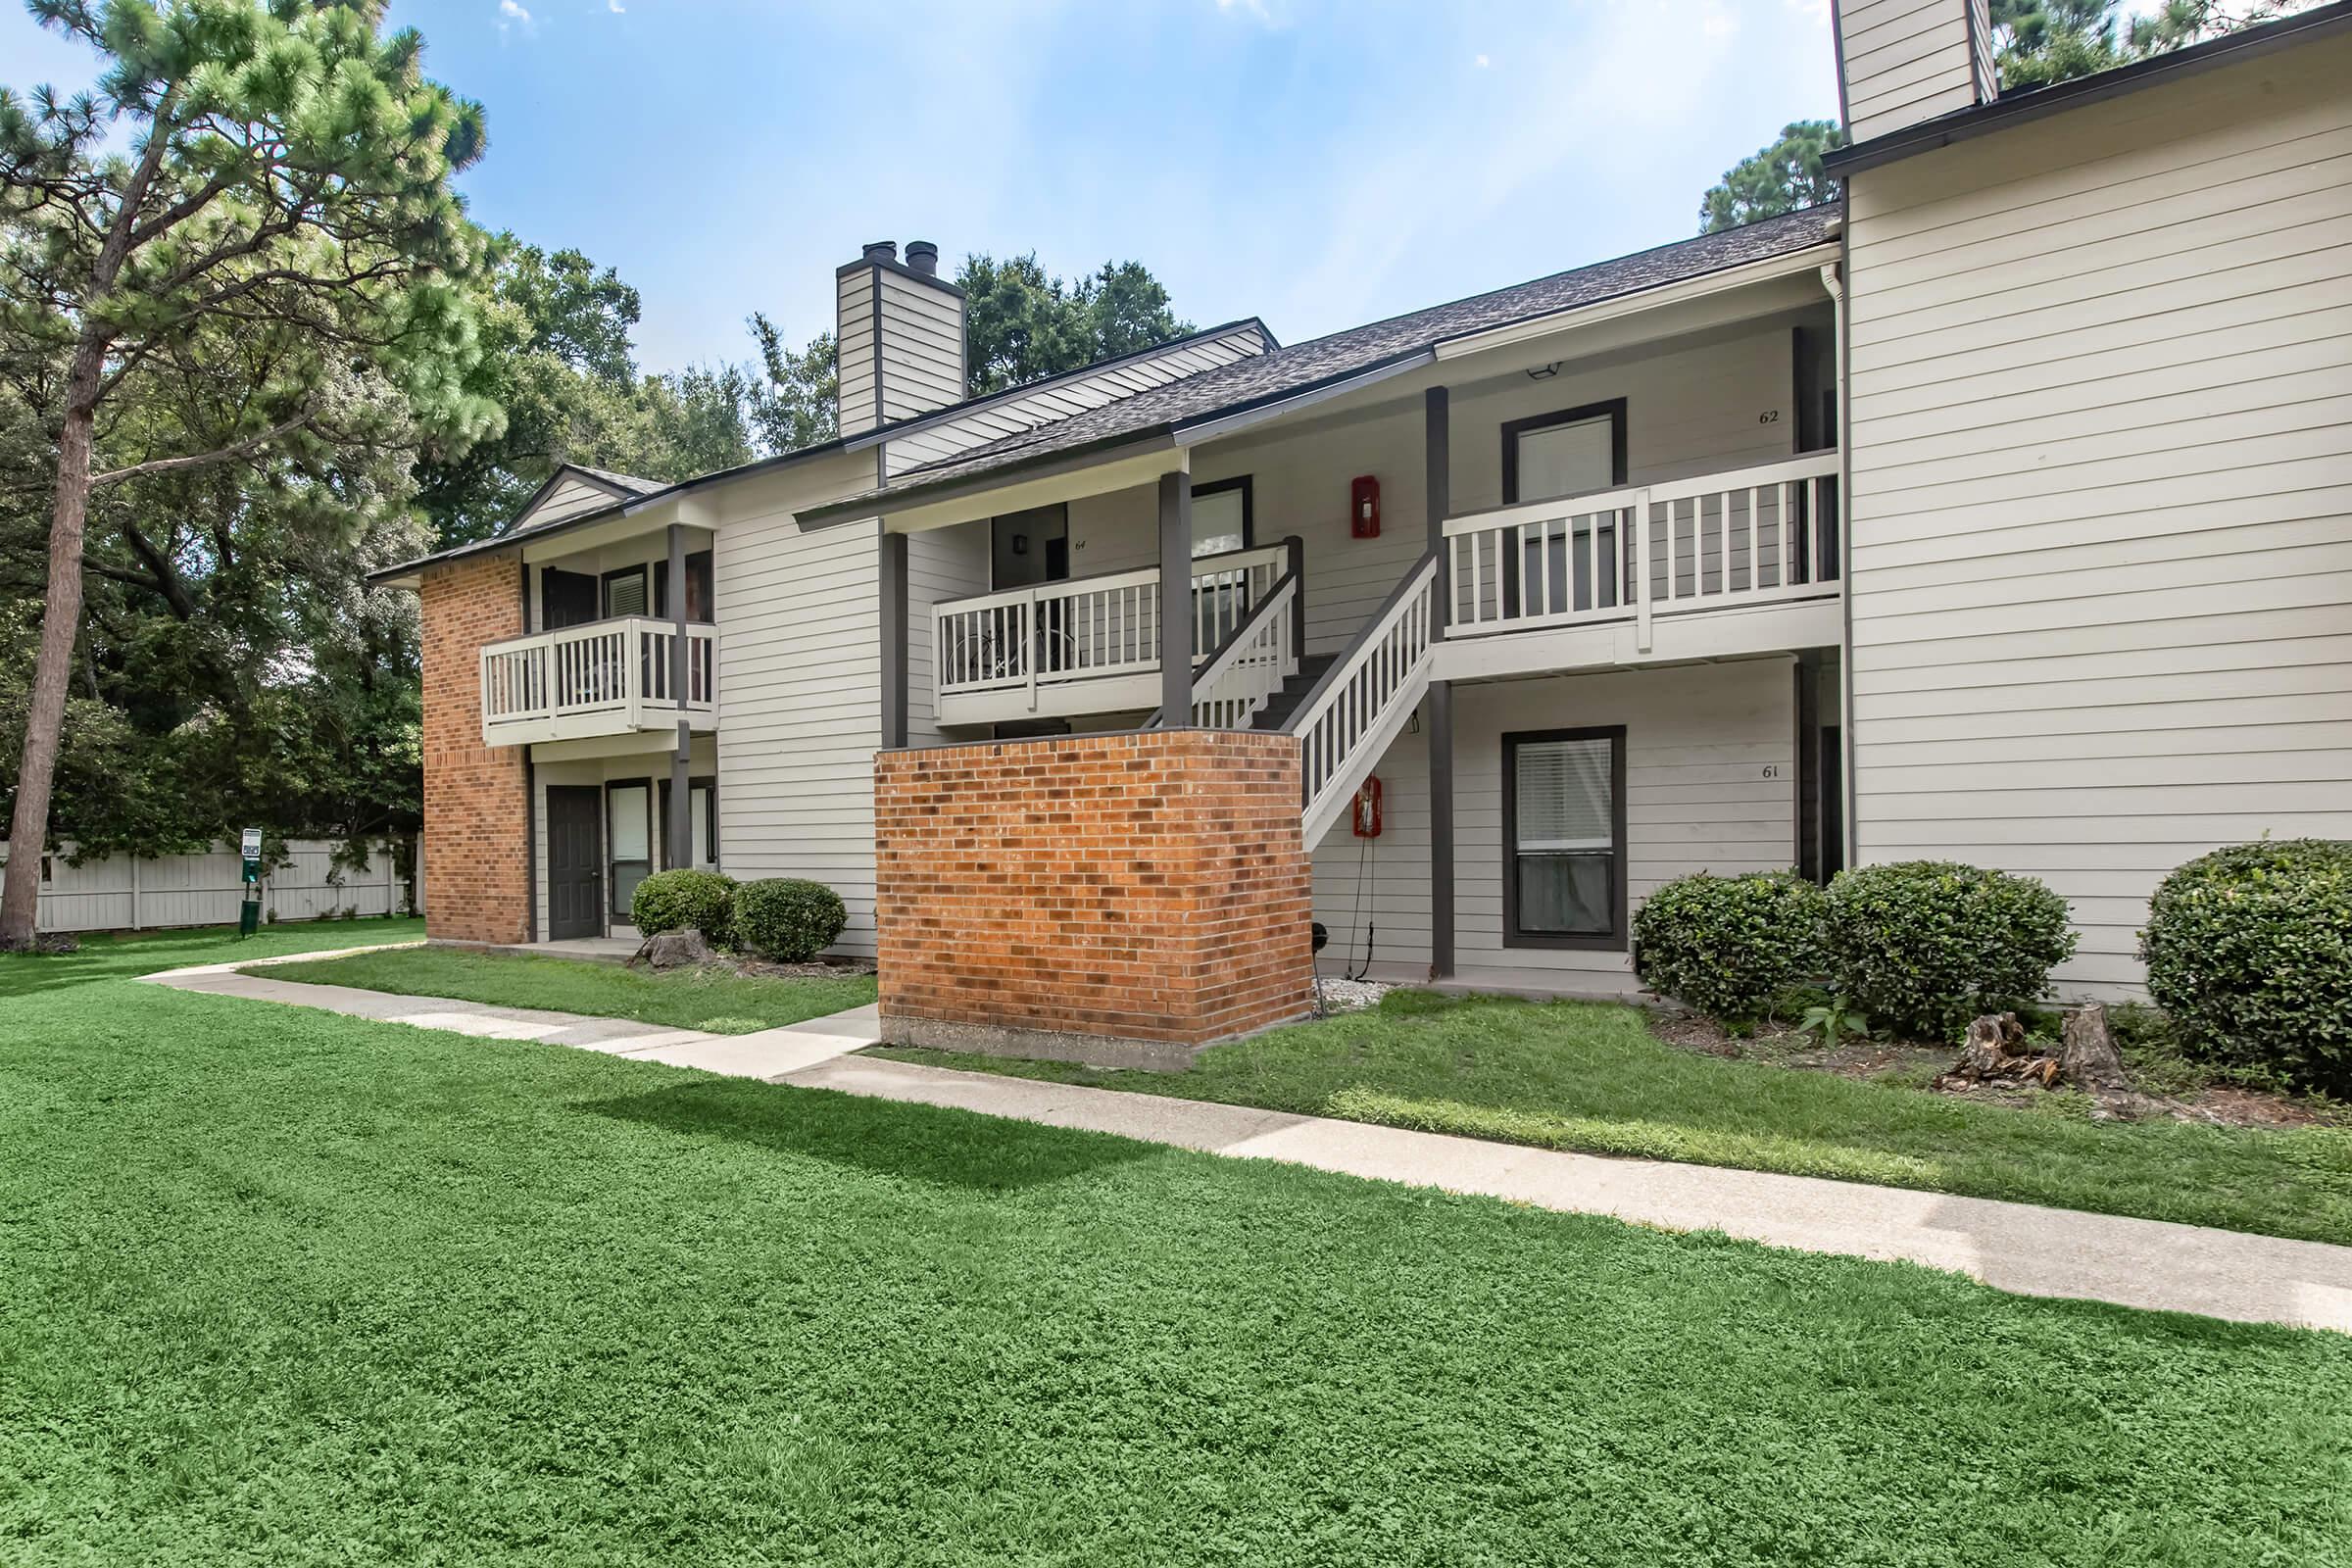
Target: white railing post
{"type": "Point", "coordinates": [1641, 595]}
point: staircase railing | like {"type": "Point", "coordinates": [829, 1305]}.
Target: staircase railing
{"type": "Point", "coordinates": [1362, 702]}
{"type": "Point", "coordinates": [1242, 675]}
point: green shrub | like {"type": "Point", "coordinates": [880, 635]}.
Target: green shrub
{"type": "Point", "coordinates": [1924, 946]}
{"type": "Point", "coordinates": [683, 901]}
{"type": "Point", "coordinates": [2249, 949]}
{"type": "Point", "coordinates": [1726, 945]}
{"type": "Point", "coordinates": [787, 919]}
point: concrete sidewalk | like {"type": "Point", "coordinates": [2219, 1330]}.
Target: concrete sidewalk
{"type": "Point", "coordinates": [2016, 1246]}
{"type": "Point", "coordinates": [763, 1053]}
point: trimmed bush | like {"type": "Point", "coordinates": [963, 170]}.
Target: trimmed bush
{"type": "Point", "coordinates": [1725, 944]}
{"type": "Point", "coordinates": [787, 919]}
{"type": "Point", "coordinates": [2250, 950]}
{"type": "Point", "coordinates": [1924, 946]}
{"type": "Point", "coordinates": [683, 901]}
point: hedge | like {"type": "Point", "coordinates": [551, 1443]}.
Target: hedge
{"type": "Point", "coordinates": [788, 919]}
{"type": "Point", "coordinates": [1924, 946]}
{"type": "Point", "coordinates": [1726, 945]}
{"type": "Point", "coordinates": [2249, 949]}
{"type": "Point", "coordinates": [683, 901]}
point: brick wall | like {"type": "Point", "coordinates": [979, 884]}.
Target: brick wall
{"type": "Point", "coordinates": [1051, 896]}
{"type": "Point", "coordinates": [477, 859]}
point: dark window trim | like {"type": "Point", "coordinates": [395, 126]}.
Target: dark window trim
{"type": "Point", "coordinates": [694, 781]}
{"type": "Point", "coordinates": [1247, 484]}
{"type": "Point", "coordinates": [613, 913]}
{"type": "Point", "coordinates": [604, 588]}
{"type": "Point", "coordinates": [1513, 429]}
{"type": "Point", "coordinates": [1512, 937]}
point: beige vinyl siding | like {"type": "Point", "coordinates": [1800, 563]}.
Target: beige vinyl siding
{"type": "Point", "coordinates": [2102, 509]}
{"type": "Point", "coordinates": [799, 686]}
{"type": "Point", "coordinates": [942, 563]}
{"type": "Point", "coordinates": [1018, 411]}
{"type": "Point", "coordinates": [854, 353]}
{"type": "Point", "coordinates": [570, 498]}
{"type": "Point", "coordinates": [923, 347]}
{"type": "Point", "coordinates": [1710, 786]}
{"type": "Point", "coordinates": [1907, 60]}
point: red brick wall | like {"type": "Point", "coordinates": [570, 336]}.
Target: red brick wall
{"type": "Point", "coordinates": [478, 853]}
{"type": "Point", "coordinates": [1146, 887]}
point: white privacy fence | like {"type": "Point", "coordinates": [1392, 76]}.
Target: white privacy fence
{"type": "Point", "coordinates": [134, 892]}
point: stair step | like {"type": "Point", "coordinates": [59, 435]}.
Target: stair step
{"type": "Point", "coordinates": [1284, 702]}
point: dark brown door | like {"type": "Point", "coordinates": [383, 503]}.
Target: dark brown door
{"type": "Point", "coordinates": [576, 862]}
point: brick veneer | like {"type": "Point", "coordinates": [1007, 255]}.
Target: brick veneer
{"type": "Point", "coordinates": [1115, 897]}
{"type": "Point", "coordinates": [477, 856]}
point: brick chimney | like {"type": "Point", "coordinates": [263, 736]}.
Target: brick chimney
{"type": "Point", "coordinates": [901, 334]}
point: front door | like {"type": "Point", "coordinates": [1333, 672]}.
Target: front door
{"type": "Point", "coordinates": [575, 874]}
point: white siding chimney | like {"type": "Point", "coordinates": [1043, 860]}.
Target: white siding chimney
{"type": "Point", "coordinates": [901, 337]}
{"type": "Point", "coordinates": [1901, 62]}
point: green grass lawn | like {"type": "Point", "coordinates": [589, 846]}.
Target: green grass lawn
{"type": "Point", "coordinates": [277, 1286]}
{"type": "Point", "coordinates": [687, 999]}
{"type": "Point", "coordinates": [1590, 1076]}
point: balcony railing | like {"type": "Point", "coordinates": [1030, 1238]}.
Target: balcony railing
{"type": "Point", "coordinates": [1088, 629]}
{"type": "Point", "coordinates": [1717, 541]}
{"type": "Point", "coordinates": [603, 678]}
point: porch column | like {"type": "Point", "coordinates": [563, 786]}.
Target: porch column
{"type": "Point", "coordinates": [682, 804]}
{"type": "Point", "coordinates": [1175, 600]}
{"type": "Point", "coordinates": [1438, 466]}
{"type": "Point", "coordinates": [893, 639]}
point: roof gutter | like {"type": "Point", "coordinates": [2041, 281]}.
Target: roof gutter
{"type": "Point", "coordinates": [1790, 265]}
{"type": "Point", "coordinates": [2023, 108]}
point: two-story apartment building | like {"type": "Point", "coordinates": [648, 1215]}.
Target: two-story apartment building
{"type": "Point", "coordinates": [2002, 513]}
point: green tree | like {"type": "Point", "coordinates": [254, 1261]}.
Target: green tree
{"type": "Point", "coordinates": [285, 180]}
{"type": "Point", "coordinates": [556, 356]}
{"type": "Point", "coordinates": [1021, 324]}
{"type": "Point", "coordinates": [1783, 177]}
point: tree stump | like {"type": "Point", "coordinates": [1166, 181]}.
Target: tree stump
{"type": "Point", "coordinates": [2087, 1059]}
{"type": "Point", "coordinates": [1994, 1052]}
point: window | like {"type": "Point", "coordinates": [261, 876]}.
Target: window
{"type": "Point", "coordinates": [697, 587]}
{"type": "Point", "coordinates": [1574, 452]}
{"type": "Point", "coordinates": [1222, 520]}
{"type": "Point", "coordinates": [629, 831]}
{"type": "Point", "coordinates": [624, 592]}
{"type": "Point", "coordinates": [1563, 825]}
{"type": "Point", "coordinates": [1570, 452]}
{"type": "Point", "coordinates": [702, 813]}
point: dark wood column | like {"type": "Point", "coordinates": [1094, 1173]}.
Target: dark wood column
{"type": "Point", "coordinates": [1438, 460]}
{"type": "Point", "coordinates": [1175, 600]}
{"type": "Point", "coordinates": [893, 639]}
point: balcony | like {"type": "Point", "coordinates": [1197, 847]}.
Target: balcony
{"type": "Point", "coordinates": [608, 677]}
{"type": "Point", "coordinates": [1714, 566]}
{"type": "Point", "coordinates": [1087, 645]}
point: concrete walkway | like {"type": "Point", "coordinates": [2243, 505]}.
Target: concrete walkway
{"type": "Point", "coordinates": [2016, 1246]}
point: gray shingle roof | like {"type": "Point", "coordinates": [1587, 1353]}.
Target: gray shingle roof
{"type": "Point", "coordinates": [1302, 365]}
{"type": "Point", "coordinates": [627, 481]}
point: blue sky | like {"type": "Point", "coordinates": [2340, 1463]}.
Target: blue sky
{"type": "Point", "coordinates": [1318, 164]}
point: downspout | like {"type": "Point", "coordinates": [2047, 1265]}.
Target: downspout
{"type": "Point", "coordinates": [1833, 278]}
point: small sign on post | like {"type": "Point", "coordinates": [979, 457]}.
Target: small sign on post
{"type": "Point", "coordinates": [249, 914]}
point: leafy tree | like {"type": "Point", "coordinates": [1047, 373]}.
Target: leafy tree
{"type": "Point", "coordinates": [796, 406]}
{"type": "Point", "coordinates": [1021, 324]}
{"type": "Point", "coordinates": [556, 356]}
{"type": "Point", "coordinates": [267, 269]}
{"type": "Point", "coordinates": [2041, 42]}
{"type": "Point", "coordinates": [1783, 177]}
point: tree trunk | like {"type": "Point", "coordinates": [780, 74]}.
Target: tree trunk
{"type": "Point", "coordinates": [61, 620]}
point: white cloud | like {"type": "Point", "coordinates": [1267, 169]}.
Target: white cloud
{"type": "Point", "coordinates": [1254, 10]}
{"type": "Point", "coordinates": [1482, 62]}
{"type": "Point", "coordinates": [615, 7]}
{"type": "Point", "coordinates": [512, 16]}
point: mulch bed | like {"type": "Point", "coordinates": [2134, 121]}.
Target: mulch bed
{"type": "Point", "coordinates": [1914, 1064]}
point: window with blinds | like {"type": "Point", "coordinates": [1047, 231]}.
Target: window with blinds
{"type": "Point", "coordinates": [1565, 819]}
